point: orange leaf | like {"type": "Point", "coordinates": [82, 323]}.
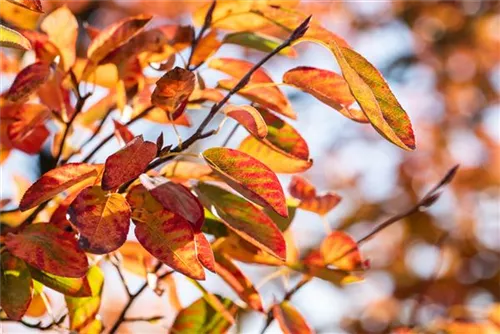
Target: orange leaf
{"type": "Point", "coordinates": [114, 36]}
{"type": "Point", "coordinates": [175, 198]}
{"type": "Point", "coordinates": [27, 82]}
{"type": "Point", "coordinates": [181, 171]}
{"type": "Point", "coordinates": [57, 97]}
{"type": "Point", "coordinates": [170, 239]}
{"type": "Point", "coordinates": [269, 97]}
{"type": "Point", "coordinates": [328, 87]}
{"type": "Point", "coordinates": [207, 46]}
{"type": "Point", "coordinates": [37, 306]}
{"type": "Point", "coordinates": [340, 250]}
{"type": "Point", "coordinates": [34, 5]}
{"type": "Point", "coordinates": [62, 28]}
{"type": "Point", "coordinates": [28, 132]}
{"type": "Point", "coordinates": [102, 219]}
{"type": "Point", "coordinates": [204, 251]}
{"type": "Point", "coordinates": [241, 250]}
{"type": "Point", "coordinates": [249, 117]}
{"type": "Point", "coordinates": [289, 319]}
{"type": "Point", "coordinates": [135, 258]}
{"type": "Point", "coordinates": [173, 89]}
{"type": "Point", "coordinates": [244, 219]}
{"type": "Point", "coordinates": [122, 132]}
{"type": "Point", "coordinates": [50, 249]}
{"type": "Point", "coordinates": [55, 181]}
{"type": "Point", "coordinates": [16, 284]}
{"type": "Point", "coordinates": [233, 276]}
{"type": "Point", "coordinates": [128, 163]}
{"type": "Point", "coordinates": [248, 176]}
{"type": "Point", "coordinates": [301, 189]}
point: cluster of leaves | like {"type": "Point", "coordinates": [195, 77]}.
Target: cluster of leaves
{"type": "Point", "coordinates": [235, 198]}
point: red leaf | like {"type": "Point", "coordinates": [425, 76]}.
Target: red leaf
{"type": "Point", "coordinates": [16, 285]}
{"type": "Point", "coordinates": [114, 36]}
{"type": "Point", "coordinates": [175, 198]}
{"type": "Point", "coordinates": [244, 219]}
{"type": "Point", "coordinates": [301, 189]}
{"type": "Point", "coordinates": [269, 97]}
{"type": "Point", "coordinates": [340, 250]}
{"type": "Point", "coordinates": [248, 176]}
{"type": "Point", "coordinates": [128, 163]}
{"type": "Point", "coordinates": [173, 89]}
{"type": "Point", "coordinates": [34, 5]}
{"type": "Point", "coordinates": [102, 219]}
{"type": "Point", "coordinates": [27, 82]}
{"type": "Point", "coordinates": [55, 181]}
{"type": "Point", "coordinates": [170, 239]}
{"type": "Point", "coordinates": [204, 251]}
{"type": "Point", "coordinates": [290, 320]}
{"type": "Point", "coordinates": [328, 87]}
{"type": "Point", "coordinates": [50, 249]}
{"type": "Point", "coordinates": [249, 117]}
{"type": "Point", "coordinates": [28, 132]}
{"type": "Point", "coordinates": [233, 276]}
{"type": "Point", "coordinates": [122, 132]}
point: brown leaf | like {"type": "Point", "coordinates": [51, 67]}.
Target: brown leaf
{"type": "Point", "coordinates": [173, 89]}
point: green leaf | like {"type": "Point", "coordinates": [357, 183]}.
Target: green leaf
{"type": "Point", "coordinates": [75, 287]}
{"type": "Point", "coordinates": [16, 285]}
{"type": "Point", "coordinates": [258, 41]}
{"type": "Point", "coordinates": [12, 39]}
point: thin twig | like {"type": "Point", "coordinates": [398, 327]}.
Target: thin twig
{"type": "Point", "coordinates": [122, 277]}
{"type": "Point", "coordinates": [39, 325]}
{"type": "Point", "coordinates": [196, 40]}
{"type": "Point", "coordinates": [148, 319]}
{"type": "Point", "coordinates": [231, 134]}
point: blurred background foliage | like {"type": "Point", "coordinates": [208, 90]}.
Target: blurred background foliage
{"type": "Point", "coordinates": [439, 268]}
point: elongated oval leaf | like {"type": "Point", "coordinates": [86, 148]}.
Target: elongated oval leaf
{"type": "Point", "coordinates": [340, 250]}
{"type": "Point", "coordinates": [328, 87]}
{"type": "Point", "coordinates": [172, 89]}
{"type": "Point", "coordinates": [258, 41]}
{"type": "Point", "coordinates": [244, 219]}
{"type": "Point", "coordinates": [82, 311]}
{"type": "Point", "coordinates": [122, 132]}
{"type": "Point", "coordinates": [128, 163]}
{"type": "Point", "coordinates": [301, 189]}
{"type": "Point", "coordinates": [270, 97]}
{"type": "Point", "coordinates": [50, 249]}
{"type": "Point", "coordinates": [204, 251]}
{"type": "Point", "coordinates": [55, 181]}
{"type": "Point", "coordinates": [28, 131]}
{"type": "Point", "coordinates": [175, 198]}
{"type": "Point", "coordinates": [27, 82]}
{"type": "Point", "coordinates": [207, 46]}
{"type": "Point", "coordinates": [248, 176]}
{"type": "Point", "coordinates": [290, 320]}
{"type": "Point", "coordinates": [249, 117]}
{"type": "Point", "coordinates": [181, 171]}
{"type": "Point", "coordinates": [114, 36]}
{"type": "Point", "coordinates": [16, 285]}
{"type": "Point", "coordinates": [12, 39]}
{"type": "Point", "coordinates": [233, 276]}
{"type": "Point", "coordinates": [75, 287]}
{"type": "Point", "coordinates": [102, 219]}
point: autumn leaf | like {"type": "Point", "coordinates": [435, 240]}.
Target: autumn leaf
{"type": "Point", "coordinates": [301, 189]}
{"type": "Point", "coordinates": [201, 317]}
{"type": "Point", "coordinates": [57, 97]}
{"type": "Point", "coordinates": [244, 219]}
{"type": "Point", "coordinates": [83, 310]}
{"type": "Point", "coordinates": [37, 307]}
{"type": "Point", "coordinates": [102, 220]}
{"type": "Point", "coordinates": [181, 171]}
{"type": "Point", "coordinates": [204, 251]}
{"type": "Point", "coordinates": [289, 319]}
{"type": "Point", "coordinates": [340, 250]}
{"type": "Point", "coordinates": [248, 176]}
{"type": "Point", "coordinates": [241, 250]}
{"type": "Point", "coordinates": [27, 82]}
{"type": "Point", "coordinates": [269, 97]}
{"type": "Point", "coordinates": [175, 198]}
{"type": "Point", "coordinates": [61, 27]}
{"type": "Point", "coordinates": [55, 181]}
{"type": "Point", "coordinates": [48, 248]}
{"type": "Point", "coordinates": [68, 286]}
{"type": "Point", "coordinates": [328, 87]}
{"type": "Point", "coordinates": [249, 117]}
{"type": "Point", "coordinates": [114, 36]}
{"type": "Point", "coordinates": [16, 285]}
{"type": "Point", "coordinates": [12, 39]}
{"type": "Point", "coordinates": [122, 132]}
{"type": "Point", "coordinates": [135, 258]}
{"type": "Point", "coordinates": [207, 46]}
{"type": "Point", "coordinates": [28, 132]}
{"type": "Point", "coordinates": [128, 163]}
{"type": "Point", "coordinates": [283, 150]}
{"type": "Point", "coordinates": [235, 278]}
{"type": "Point", "coordinates": [258, 41]}
{"type": "Point", "coordinates": [33, 5]}
{"type": "Point", "coordinates": [170, 239]}
{"type": "Point", "coordinates": [173, 89]}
